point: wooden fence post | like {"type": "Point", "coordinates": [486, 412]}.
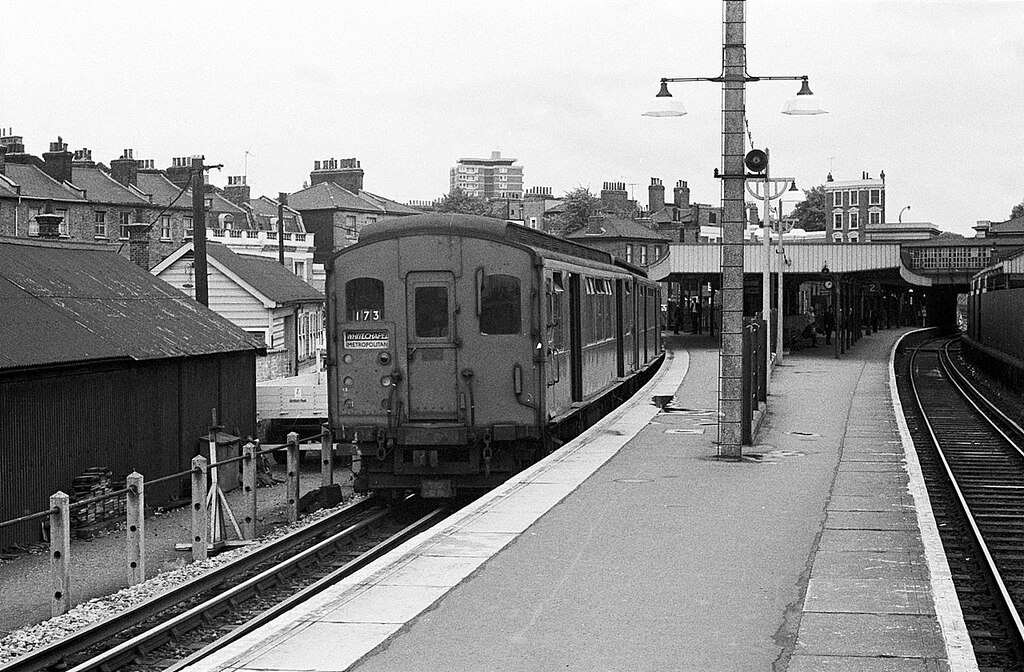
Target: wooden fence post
{"type": "Point", "coordinates": [292, 483]}
{"type": "Point", "coordinates": [60, 552]}
{"type": "Point", "coordinates": [135, 509]}
{"type": "Point", "coordinates": [200, 515]}
{"type": "Point", "coordinates": [326, 456]}
{"type": "Point", "coordinates": [249, 486]}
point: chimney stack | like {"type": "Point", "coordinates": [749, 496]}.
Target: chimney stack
{"type": "Point", "coordinates": [656, 195]}
{"type": "Point", "coordinates": [237, 190]}
{"type": "Point", "coordinates": [138, 244]}
{"type": "Point", "coordinates": [345, 173]}
{"type": "Point", "coordinates": [125, 169]}
{"type": "Point", "coordinates": [180, 172]}
{"type": "Point", "coordinates": [614, 197]}
{"type": "Point", "coordinates": [57, 161]}
{"type": "Point", "coordinates": [83, 158]}
{"type": "Point", "coordinates": [681, 195]}
{"type": "Point", "coordinates": [49, 222]}
{"type": "Point", "coordinates": [12, 142]}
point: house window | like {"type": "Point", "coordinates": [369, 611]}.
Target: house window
{"type": "Point", "coordinates": [875, 197]}
{"type": "Point", "coordinates": [533, 222]}
{"type": "Point", "coordinates": [126, 219]}
{"type": "Point", "coordinates": [33, 225]}
{"type": "Point", "coordinates": [303, 336]}
{"type": "Point", "coordinates": [837, 199]}
{"type": "Point", "coordinates": [351, 232]}
{"type": "Point", "coordinates": [712, 218]}
{"type": "Point", "coordinates": [854, 220]}
{"type": "Point", "coordinates": [837, 237]}
{"type": "Point", "coordinates": [837, 220]}
{"type": "Point", "coordinates": [500, 302]}
{"type": "Point", "coordinates": [629, 254]}
{"type": "Point", "coordinates": [855, 197]}
{"type": "Point", "coordinates": [874, 218]}
{"type": "Point", "coordinates": [300, 269]}
{"type": "Point", "coordinates": [371, 220]}
{"type": "Point", "coordinates": [854, 236]}
{"type": "Point", "coordinates": [64, 226]}
{"type": "Point", "coordinates": [100, 227]}
{"type": "Point", "coordinates": [188, 226]}
{"type": "Point", "coordinates": [165, 227]}
{"type": "Point", "coordinates": [259, 334]}
{"type": "Point", "coordinates": [643, 254]}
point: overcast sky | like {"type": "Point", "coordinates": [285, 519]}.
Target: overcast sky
{"type": "Point", "coordinates": [930, 92]}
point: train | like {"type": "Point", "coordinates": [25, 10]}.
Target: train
{"type": "Point", "coordinates": [994, 335]}
{"type": "Point", "coordinates": [462, 348]}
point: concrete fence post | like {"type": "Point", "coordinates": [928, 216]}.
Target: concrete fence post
{"type": "Point", "coordinates": [292, 481]}
{"type": "Point", "coordinates": [135, 509]}
{"type": "Point", "coordinates": [326, 456]}
{"type": "Point", "coordinates": [249, 487]}
{"type": "Point", "coordinates": [200, 515]}
{"type": "Point", "coordinates": [60, 553]}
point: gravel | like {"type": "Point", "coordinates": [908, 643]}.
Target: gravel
{"type": "Point", "coordinates": [99, 572]}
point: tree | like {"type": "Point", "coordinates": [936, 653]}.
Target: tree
{"type": "Point", "coordinates": [579, 207]}
{"type": "Point", "coordinates": [1018, 211]}
{"type": "Point", "coordinates": [810, 212]}
{"type": "Point", "coordinates": [463, 202]}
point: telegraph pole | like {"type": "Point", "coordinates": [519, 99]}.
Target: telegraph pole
{"type": "Point", "coordinates": [282, 200]}
{"type": "Point", "coordinates": [199, 231]}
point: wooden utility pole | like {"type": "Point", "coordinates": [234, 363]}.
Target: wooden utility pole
{"type": "Point", "coordinates": [282, 200]}
{"type": "Point", "coordinates": [199, 231]}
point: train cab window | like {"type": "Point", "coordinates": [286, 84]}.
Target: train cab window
{"type": "Point", "coordinates": [500, 311]}
{"type": "Point", "coordinates": [364, 299]}
{"type": "Point", "coordinates": [431, 312]}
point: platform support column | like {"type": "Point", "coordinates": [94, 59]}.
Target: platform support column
{"type": "Point", "coordinates": [326, 456]}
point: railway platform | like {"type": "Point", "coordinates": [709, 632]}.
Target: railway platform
{"type": "Point", "coordinates": [635, 548]}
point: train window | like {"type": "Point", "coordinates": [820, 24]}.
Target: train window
{"type": "Point", "coordinates": [364, 299]}
{"type": "Point", "coordinates": [500, 311]}
{"type": "Point", "coordinates": [431, 312]}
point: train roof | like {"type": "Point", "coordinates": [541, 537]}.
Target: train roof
{"type": "Point", "coordinates": [485, 227]}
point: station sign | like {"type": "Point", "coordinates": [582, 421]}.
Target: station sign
{"type": "Point", "coordinates": [366, 339]}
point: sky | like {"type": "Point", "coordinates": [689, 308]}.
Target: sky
{"type": "Point", "coordinates": [929, 92]}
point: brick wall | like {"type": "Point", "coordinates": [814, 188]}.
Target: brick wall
{"type": "Point", "coordinates": [276, 364]}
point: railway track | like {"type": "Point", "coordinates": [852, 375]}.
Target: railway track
{"type": "Point", "coordinates": [196, 618]}
{"type": "Point", "coordinates": [972, 457]}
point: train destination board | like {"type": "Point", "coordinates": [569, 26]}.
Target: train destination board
{"type": "Point", "coordinates": [366, 340]}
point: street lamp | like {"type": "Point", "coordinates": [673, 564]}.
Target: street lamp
{"type": "Point", "coordinates": [905, 208]}
{"type": "Point", "coordinates": [733, 79]}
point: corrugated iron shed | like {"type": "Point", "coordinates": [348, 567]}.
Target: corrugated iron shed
{"type": "Point", "coordinates": [65, 302]}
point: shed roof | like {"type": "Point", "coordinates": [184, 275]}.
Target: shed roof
{"type": "Point", "coordinates": [266, 275]}
{"type": "Point", "coordinates": [616, 227]}
{"type": "Point", "coordinates": [71, 302]}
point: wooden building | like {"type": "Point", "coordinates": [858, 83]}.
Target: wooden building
{"type": "Point", "coordinates": [104, 365]}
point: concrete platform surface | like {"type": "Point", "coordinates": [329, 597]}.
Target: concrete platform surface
{"type": "Point", "coordinates": [635, 548]}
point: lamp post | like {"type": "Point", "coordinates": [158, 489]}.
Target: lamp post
{"type": "Point", "coordinates": [768, 189]}
{"type": "Point", "coordinates": [905, 208]}
{"type": "Point", "coordinates": [733, 79]}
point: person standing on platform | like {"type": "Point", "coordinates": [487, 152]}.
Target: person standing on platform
{"type": "Point", "coordinates": [698, 316]}
{"type": "Point", "coordinates": [828, 323]}
{"type": "Point", "coordinates": [677, 317]}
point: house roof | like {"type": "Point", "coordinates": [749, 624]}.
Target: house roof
{"type": "Point", "coordinates": [264, 209]}
{"type": "Point", "coordinates": [265, 275]}
{"type": "Point", "coordinates": [162, 190]}
{"type": "Point", "coordinates": [329, 196]}
{"type": "Point", "coordinates": [1015, 225]}
{"type": "Point", "coordinates": [390, 207]}
{"type": "Point", "coordinates": [76, 302]}
{"type": "Point", "coordinates": [616, 227]}
{"type": "Point", "coordinates": [35, 183]}
{"type": "Point", "coordinates": [102, 188]}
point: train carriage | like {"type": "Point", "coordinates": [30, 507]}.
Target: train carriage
{"type": "Point", "coordinates": [459, 346]}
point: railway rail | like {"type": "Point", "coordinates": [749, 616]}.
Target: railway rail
{"type": "Point", "coordinates": [200, 616]}
{"type": "Point", "coordinates": [972, 454]}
